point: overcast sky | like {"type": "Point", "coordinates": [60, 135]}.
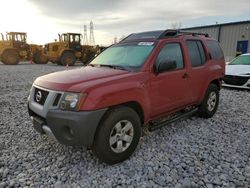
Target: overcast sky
{"type": "Point", "coordinates": [43, 19]}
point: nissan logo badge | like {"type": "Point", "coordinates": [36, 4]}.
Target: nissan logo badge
{"type": "Point", "coordinates": [39, 96]}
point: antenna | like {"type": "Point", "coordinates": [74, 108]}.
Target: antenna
{"type": "Point", "coordinates": [91, 35]}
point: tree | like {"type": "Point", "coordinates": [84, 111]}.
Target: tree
{"type": "Point", "coordinates": [176, 25]}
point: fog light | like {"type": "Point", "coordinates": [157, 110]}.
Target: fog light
{"type": "Point", "coordinates": [68, 133]}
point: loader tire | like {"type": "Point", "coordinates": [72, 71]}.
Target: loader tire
{"type": "Point", "coordinates": [40, 58]}
{"type": "Point", "coordinates": [68, 58]}
{"type": "Point", "coordinates": [10, 57]}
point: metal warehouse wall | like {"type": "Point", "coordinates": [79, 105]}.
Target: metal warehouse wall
{"type": "Point", "coordinates": [229, 36]}
{"type": "Point", "coordinates": [212, 31]}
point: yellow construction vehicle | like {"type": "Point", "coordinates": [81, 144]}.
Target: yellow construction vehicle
{"type": "Point", "coordinates": [14, 48]}
{"type": "Point", "coordinates": [89, 52]}
{"type": "Point", "coordinates": [37, 54]}
{"type": "Point", "coordinates": [65, 51]}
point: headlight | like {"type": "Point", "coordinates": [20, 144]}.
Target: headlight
{"type": "Point", "coordinates": [72, 101]}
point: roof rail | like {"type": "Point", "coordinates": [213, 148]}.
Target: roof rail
{"type": "Point", "coordinates": [126, 37]}
{"type": "Point", "coordinates": [176, 32]}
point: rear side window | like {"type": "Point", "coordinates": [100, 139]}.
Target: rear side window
{"type": "Point", "coordinates": [171, 52]}
{"type": "Point", "coordinates": [196, 53]}
{"type": "Point", "coordinates": [215, 50]}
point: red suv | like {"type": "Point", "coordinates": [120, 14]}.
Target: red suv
{"type": "Point", "coordinates": [148, 79]}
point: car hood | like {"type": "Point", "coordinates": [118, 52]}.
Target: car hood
{"type": "Point", "coordinates": [73, 80]}
{"type": "Point", "coordinates": [239, 70]}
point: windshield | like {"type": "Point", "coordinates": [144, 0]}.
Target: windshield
{"type": "Point", "coordinates": [241, 60]}
{"type": "Point", "coordinates": [20, 37]}
{"type": "Point", "coordinates": [75, 38]}
{"type": "Point", "coordinates": [65, 37]}
{"type": "Point", "coordinates": [131, 56]}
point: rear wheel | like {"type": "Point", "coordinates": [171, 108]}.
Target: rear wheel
{"type": "Point", "coordinates": [117, 136]}
{"type": "Point", "coordinates": [210, 103]}
{"type": "Point", "coordinates": [68, 58]}
{"type": "Point", "coordinates": [10, 57]}
{"type": "Point", "coordinates": [40, 58]}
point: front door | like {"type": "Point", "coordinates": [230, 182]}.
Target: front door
{"type": "Point", "coordinates": [242, 47]}
{"type": "Point", "coordinates": [169, 90]}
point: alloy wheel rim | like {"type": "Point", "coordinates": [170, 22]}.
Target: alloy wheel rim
{"type": "Point", "coordinates": [211, 103]}
{"type": "Point", "coordinates": [121, 136]}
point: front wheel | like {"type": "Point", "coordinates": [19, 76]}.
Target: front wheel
{"type": "Point", "coordinates": [40, 58]}
{"type": "Point", "coordinates": [210, 103]}
{"type": "Point", "coordinates": [117, 136]}
{"type": "Point", "coordinates": [68, 58]}
{"type": "Point", "coordinates": [10, 57]}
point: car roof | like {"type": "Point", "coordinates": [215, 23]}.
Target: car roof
{"type": "Point", "coordinates": [159, 34]}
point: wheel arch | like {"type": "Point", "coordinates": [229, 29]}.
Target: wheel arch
{"type": "Point", "coordinates": [137, 108]}
{"type": "Point", "coordinates": [217, 82]}
{"type": "Point", "coordinates": [131, 104]}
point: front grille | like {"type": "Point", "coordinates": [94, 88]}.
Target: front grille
{"type": "Point", "coordinates": [40, 96]}
{"type": "Point", "coordinates": [235, 80]}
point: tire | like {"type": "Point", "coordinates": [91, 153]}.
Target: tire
{"type": "Point", "coordinates": [68, 58]}
{"type": "Point", "coordinates": [10, 57]}
{"type": "Point", "coordinates": [210, 103]}
{"type": "Point", "coordinates": [105, 147]}
{"type": "Point", "coordinates": [40, 58]}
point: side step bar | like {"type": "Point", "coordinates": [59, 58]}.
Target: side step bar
{"type": "Point", "coordinates": [154, 126]}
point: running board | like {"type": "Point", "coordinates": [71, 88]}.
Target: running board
{"type": "Point", "coordinates": [154, 126]}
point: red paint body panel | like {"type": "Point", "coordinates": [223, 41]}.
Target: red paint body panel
{"type": "Point", "coordinates": [157, 94]}
{"type": "Point", "coordinates": [75, 80]}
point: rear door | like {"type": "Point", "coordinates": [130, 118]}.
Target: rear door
{"type": "Point", "coordinates": [198, 69]}
{"type": "Point", "coordinates": [169, 90]}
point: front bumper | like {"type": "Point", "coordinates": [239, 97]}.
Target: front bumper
{"type": "Point", "coordinates": [69, 128]}
{"type": "Point", "coordinates": [242, 82]}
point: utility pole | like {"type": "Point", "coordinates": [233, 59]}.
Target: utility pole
{"type": "Point", "coordinates": [91, 35]}
{"type": "Point", "coordinates": [85, 37]}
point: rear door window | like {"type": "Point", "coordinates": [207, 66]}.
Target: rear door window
{"type": "Point", "coordinates": [196, 53]}
{"type": "Point", "coordinates": [215, 50]}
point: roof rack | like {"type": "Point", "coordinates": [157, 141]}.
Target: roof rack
{"type": "Point", "coordinates": [154, 35]}
{"type": "Point", "coordinates": [176, 32]}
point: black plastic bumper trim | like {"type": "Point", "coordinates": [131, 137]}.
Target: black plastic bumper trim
{"type": "Point", "coordinates": [71, 128]}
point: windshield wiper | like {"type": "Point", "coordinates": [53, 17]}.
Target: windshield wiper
{"type": "Point", "coordinates": [92, 65]}
{"type": "Point", "coordinates": [120, 67]}
{"type": "Point", "coordinates": [114, 66]}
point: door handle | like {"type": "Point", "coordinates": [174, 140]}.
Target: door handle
{"type": "Point", "coordinates": [185, 76]}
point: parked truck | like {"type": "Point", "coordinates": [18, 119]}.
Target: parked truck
{"type": "Point", "coordinates": [148, 80]}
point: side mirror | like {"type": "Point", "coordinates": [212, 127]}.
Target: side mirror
{"type": "Point", "coordinates": [166, 66]}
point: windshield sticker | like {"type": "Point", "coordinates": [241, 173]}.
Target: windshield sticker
{"type": "Point", "coordinates": [145, 43]}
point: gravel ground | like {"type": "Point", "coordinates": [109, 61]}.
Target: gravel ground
{"type": "Point", "coordinates": [190, 153]}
